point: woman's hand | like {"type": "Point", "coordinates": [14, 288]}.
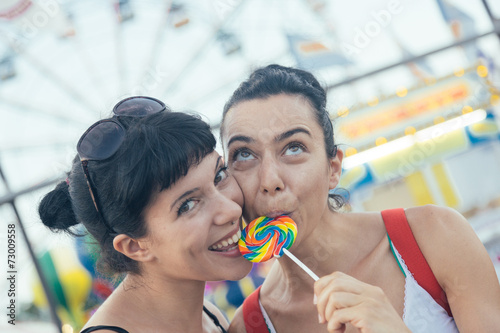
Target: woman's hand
{"type": "Point", "coordinates": [342, 299]}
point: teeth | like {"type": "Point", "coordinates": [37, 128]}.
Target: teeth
{"type": "Point", "coordinates": [235, 238]}
{"type": "Point", "coordinates": [230, 241]}
{"type": "Point", "coordinates": [229, 249]}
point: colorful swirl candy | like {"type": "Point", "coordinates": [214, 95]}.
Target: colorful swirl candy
{"type": "Point", "coordinates": [265, 238]}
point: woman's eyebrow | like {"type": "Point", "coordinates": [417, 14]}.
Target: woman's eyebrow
{"type": "Point", "coordinates": [242, 138]}
{"type": "Point", "coordinates": [278, 138]}
{"type": "Point", "coordinates": [217, 163]}
{"type": "Point", "coordinates": [185, 194]}
{"type": "Point", "coordinates": [289, 133]}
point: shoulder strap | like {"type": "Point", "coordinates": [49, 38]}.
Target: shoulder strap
{"type": "Point", "coordinates": [400, 233]}
{"type": "Point", "coordinates": [104, 327]}
{"type": "Point", "coordinates": [252, 315]}
{"type": "Point", "coordinates": [214, 319]}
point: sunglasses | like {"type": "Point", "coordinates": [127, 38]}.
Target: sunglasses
{"type": "Point", "coordinates": [102, 140]}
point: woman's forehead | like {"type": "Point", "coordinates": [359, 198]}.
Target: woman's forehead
{"type": "Point", "coordinates": [274, 112]}
{"type": "Point", "coordinates": [198, 176]}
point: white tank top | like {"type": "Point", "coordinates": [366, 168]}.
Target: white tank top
{"type": "Point", "coordinates": [421, 313]}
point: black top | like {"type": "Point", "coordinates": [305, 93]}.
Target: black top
{"type": "Point", "coordinates": [121, 330]}
{"type": "Point", "coordinates": [104, 327]}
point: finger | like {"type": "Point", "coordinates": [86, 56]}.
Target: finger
{"type": "Point", "coordinates": [329, 301]}
{"type": "Point", "coordinates": [326, 280]}
{"type": "Point", "coordinates": [353, 315]}
{"type": "Point", "coordinates": [323, 300]}
{"type": "Point", "coordinates": [340, 300]}
{"type": "Point", "coordinates": [342, 282]}
{"type": "Point", "coordinates": [335, 327]}
{"type": "Point", "coordinates": [337, 324]}
{"type": "Point", "coordinates": [335, 283]}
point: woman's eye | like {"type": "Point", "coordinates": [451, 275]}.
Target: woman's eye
{"type": "Point", "coordinates": [294, 149]}
{"type": "Point", "coordinates": [242, 155]}
{"type": "Point", "coordinates": [221, 176]}
{"type": "Point", "coordinates": [186, 206]}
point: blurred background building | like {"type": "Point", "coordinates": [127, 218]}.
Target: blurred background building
{"type": "Point", "coordinates": [413, 92]}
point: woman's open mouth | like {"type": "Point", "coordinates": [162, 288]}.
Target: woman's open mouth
{"type": "Point", "coordinates": [229, 243]}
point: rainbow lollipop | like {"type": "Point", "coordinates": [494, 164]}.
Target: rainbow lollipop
{"type": "Point", "coordinates": [265, 238]}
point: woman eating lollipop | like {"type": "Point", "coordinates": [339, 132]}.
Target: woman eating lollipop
{"type": "Point", "coordinates": [149, 187]}
{"type": "Point", "coordinates": [416, 270]}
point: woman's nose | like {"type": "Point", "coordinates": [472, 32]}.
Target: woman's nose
{"type": "Point", "coordinates": [227, 210]}
{"type": "Point", "coordinates": [270, 178]}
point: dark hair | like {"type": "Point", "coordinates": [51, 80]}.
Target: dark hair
{"type": "Point", "coordinates": [157, 151]}
{"type": "Point", "coordinates": [274, 80]}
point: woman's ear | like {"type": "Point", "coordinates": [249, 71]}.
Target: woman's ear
{"type": "Point", "coordinates": [133, 248]}
{"type": "Point", "coordinates": [335, 169]}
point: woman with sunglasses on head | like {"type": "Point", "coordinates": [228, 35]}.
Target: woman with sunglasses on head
{"type": "Point", "coordinates": [148, 185]}
{"type": "Point", "coordinates": [432, 275]}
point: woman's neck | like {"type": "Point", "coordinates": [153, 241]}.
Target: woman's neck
{"type": "Point", "coordinates": [163, 303]}
{"type": "Point", "coordinates": [325, 249]}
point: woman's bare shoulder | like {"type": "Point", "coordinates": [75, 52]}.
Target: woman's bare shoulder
{"type": "Point", "coordinates": [111, 313]}
{"type": "Point", "coordinates": [216, 312]}
{"type": "Point", "coordinates": [366, 223]}
{"type": "Point", "coordinates": [238, 322]}
{"type": "Point", "coordinates": [433, 216]}
{"type": "Point", "coordinates": [461, 265]}
{"type": "Point", "coordinates": [438, 232]}
{"type": "Point", "coordinates": [363, 219]}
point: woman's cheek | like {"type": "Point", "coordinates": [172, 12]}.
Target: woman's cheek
{"type": "Point", "coordinates": [241, 166]}
{"type": "Point", "coordinates": [236, 192]}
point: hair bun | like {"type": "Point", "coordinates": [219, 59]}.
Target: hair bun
{"type": "Point", "coordinates": [56, 210]}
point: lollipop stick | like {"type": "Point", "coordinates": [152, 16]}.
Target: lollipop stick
{"type": "Point", "coordinates": [301, 264]}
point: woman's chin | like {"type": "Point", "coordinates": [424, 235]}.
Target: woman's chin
{"type": "Point", "coordinates": [239, 271]}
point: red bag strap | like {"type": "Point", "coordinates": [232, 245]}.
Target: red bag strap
{"type": "Point", "coordinates": [252, 315]}
{"type": "Point", "coordinates": [400, 233]}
